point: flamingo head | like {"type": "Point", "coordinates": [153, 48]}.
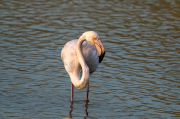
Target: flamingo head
{"type": "Point", "coordinates": [93, 38]}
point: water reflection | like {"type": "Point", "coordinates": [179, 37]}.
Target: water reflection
{"type": "Point", "coordinates": [86, 107]}
{"type": "Point", "coordinates": [71, 109]}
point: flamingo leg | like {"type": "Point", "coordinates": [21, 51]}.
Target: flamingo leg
{"type": "Point", "coordinates": [72, 92]}
{"type": "Point", "coordinates": [87, 94]}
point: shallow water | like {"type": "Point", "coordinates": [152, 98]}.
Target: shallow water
{"type": "Point", "coordinates": [138, 78]}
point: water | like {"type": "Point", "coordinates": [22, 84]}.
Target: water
{"type": "Point", "coordinates": [138, 78]}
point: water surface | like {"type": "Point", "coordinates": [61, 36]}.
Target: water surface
{"type": "Point", "coordinates": [138, 78]}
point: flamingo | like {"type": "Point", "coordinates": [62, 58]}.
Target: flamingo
{"type": "Point", "coordinates": [82, 55]}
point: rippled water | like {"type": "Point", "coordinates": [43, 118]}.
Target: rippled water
{"type": "Point", "coordinates": [139, 77]}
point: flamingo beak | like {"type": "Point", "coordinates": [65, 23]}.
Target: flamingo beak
{"type": "Point", "coordinates": [100, 49]}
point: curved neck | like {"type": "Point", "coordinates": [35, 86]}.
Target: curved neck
{"type": "Point", "coordinates": [85, 69]}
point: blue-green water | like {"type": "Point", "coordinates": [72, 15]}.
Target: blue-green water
{"type": "Point", "coordinates": [138, 78]}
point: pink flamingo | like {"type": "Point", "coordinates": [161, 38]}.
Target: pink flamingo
{"type": "Point", "coordinates": [83, 54]}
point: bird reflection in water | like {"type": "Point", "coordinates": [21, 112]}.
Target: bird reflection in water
{"type": "Point", "coordinates": [71, 109]}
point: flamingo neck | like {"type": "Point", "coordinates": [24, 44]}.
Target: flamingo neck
{"type": "Point", "coordinates": [85, 69]}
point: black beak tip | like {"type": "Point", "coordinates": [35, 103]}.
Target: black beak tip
{"type": "Point", "coordinates": [101, 57]}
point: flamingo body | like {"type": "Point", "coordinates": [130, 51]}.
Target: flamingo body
{"type": "Point", "coordinates": [71, 62]}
